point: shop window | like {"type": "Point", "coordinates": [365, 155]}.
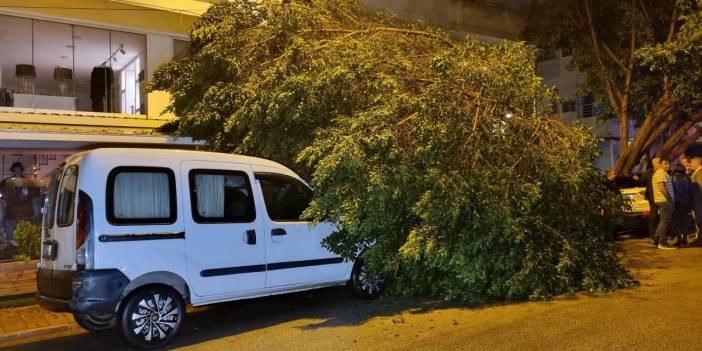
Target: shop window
{"type": "Point", "coordinates": [17, 73]}
{"type": "Point", "coordinates": [57, 66]}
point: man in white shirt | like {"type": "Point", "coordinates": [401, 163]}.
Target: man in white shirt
{"type": "Point", "coordinates": [665, 200]}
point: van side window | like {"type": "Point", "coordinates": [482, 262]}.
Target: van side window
{"type": "Point", "coordinates": [66, 197]}
{"type": "Point", "coordinates": [219, 196]}
{"type": "Point", "coordinates": [285, 197]}
{"type": "Point", "coordinates": [141, 195]}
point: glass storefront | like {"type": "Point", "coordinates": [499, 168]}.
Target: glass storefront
{"type": "Point", "coordinates": [58, 66]}
{"type": "Point", "coordinates": [25, 179]}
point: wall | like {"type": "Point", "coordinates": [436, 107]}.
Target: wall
{"type": "Point", "coordinates": [159, 50]}
{"type": "Point", "coordinates": [496, 20]}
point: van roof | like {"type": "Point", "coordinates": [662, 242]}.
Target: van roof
{"type": "Point", "coordinates": [180, 155]}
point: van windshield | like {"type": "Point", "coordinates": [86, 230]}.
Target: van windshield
{"type": "Point", "coordinates": [50, 200]}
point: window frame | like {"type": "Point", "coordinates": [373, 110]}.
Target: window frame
{"type": "Point", "coordinates": [109, 197]}
{"type": "Point", "coordinates": [197, 218]}
{"type": "Point", "coordinates": [73, 200]}
{"type": "Point", "coordinates": [283, 177]}
{"type": "Point", "coordinates": [51, 200]}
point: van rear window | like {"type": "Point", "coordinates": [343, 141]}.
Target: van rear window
{"type": "Point", "coordinates": [67, 197]}
{"type": "Point", "coordinates": [50, 201]}
{"type": "Point", "coordinates": [141, 195]}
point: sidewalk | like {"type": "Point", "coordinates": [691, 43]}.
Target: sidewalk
{"type": "Point", "coordinates": [22, 322]}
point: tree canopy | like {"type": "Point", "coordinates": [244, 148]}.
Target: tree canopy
{"type": "Point", "coordinates": [435, 158]}
{"type": "Point", "coordinates": [640, 57]}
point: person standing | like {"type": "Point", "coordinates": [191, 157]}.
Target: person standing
{"type": "Point", "coordinates": [682, 192]}
{"type": "Point", "coordinates": [663, 197]}
{"type": "Point", "coordinates": [645, 181]}
{"type": "Point", "coordinates": [696, 182]}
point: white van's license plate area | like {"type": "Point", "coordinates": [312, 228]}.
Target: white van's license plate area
{"type": "Point", "coordinates": [49, 249]}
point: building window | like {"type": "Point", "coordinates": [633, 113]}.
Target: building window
{"type": "Point", "coordinates": [545, 55]}
{"type": "Point", "coordinates": [568, 106]}
{"type": "Point", "coordinates": [589, 107]}
{"type": "Point", "coordinates": [141, 195]}
{"type": "Point", "coordinates": [180, 48]}
{"type": "Point", "coordinates": [58, 66]}
{"type": "Point", "coordinates": [285, 197]}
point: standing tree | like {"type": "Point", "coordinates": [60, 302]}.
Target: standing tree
{"type": "Point", "coordinates": [641, 57]}
{"type": "Point", "coordinates": [434, 157]}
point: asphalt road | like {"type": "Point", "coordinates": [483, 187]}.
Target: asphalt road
{"type": "Point", "coordinates": [664, 313]}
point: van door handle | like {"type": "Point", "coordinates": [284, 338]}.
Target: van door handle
{"type": "Point", "coordinates": [251, 237]}
{"type": "Point", "coordinates": [278, 231]}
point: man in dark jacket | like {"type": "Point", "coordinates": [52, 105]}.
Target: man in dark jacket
{"type": "Point", "coordinates": [696, 182]}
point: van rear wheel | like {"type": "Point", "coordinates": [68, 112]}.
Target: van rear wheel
{"type": "Point", "coordinates": [151, 317]}
{"type": "Point", "coordinates": [95, 322]}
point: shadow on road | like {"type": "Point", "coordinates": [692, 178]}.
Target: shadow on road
{"type": "Point", "coordinates": [328, 308]}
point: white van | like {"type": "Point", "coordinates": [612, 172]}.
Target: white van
{"type": "Point", "coordinates": [132, 235]}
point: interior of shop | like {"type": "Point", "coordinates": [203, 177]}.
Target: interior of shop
{"type": "Point", "coordinates": [58, 66]}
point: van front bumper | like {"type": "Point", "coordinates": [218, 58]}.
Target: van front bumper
{"type": "Point", "coordinates": [92, 291]}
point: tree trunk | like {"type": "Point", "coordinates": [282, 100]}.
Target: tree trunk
{"type": "Point", "coordinates": [654, 124]}
{"type": "Point", "coordinates": [674, 138]}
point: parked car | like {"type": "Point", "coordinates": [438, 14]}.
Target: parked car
{"type": "Point", "coordinates": [130, 236]}
{"type": "Point", "coordinates": [637, 211]}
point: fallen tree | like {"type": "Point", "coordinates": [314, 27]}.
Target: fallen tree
{"type": "Point", "coordinates": [434, 157]}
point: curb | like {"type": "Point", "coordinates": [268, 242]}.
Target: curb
{"type": "Point", "coordinates": [34, 332]}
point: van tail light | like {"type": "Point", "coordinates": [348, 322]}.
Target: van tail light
{"type": "Point", "coordinates": [84, 227]}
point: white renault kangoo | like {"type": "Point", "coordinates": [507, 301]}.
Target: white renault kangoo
{"type": "Point", "coordinates": [130, 236]}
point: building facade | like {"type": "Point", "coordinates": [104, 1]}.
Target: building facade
{"type": "Point", "coordinates": [73, 77]}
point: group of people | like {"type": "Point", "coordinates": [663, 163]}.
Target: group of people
{"type": "Point", "coordinates": [675, 198]}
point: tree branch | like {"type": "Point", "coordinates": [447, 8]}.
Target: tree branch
{"type": "Point", "coordinates": [685, 144]}
{"type": "Point", "coordinates": [674, 138]}
{"type": "Point", "coordinates": [353, 32]}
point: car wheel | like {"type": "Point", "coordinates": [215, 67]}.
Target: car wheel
{"type": "Point", "coordinates": [151, 317]}
{"type": "Point", "coordinates": [95, 322]}
{"type": "Point", "coordinates": [364, 283]}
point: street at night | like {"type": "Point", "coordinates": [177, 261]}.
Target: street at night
{"type": "Point", "coordinates": [350, 175]}
{"type": "Point", "coordinates": [661, 314]}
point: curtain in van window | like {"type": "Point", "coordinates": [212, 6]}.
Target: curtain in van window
{"type": "Point", "coordinates": [210, 195]}
{"type": "Point", "coordinates": [141, 195]}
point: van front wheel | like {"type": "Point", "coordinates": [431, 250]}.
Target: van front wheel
{"type": "Point", "coordinates": [364, 283]}
{"type": "Point", "coordinates": [94, 322]}
{"type": "Point", "coordinates": [151, 317]}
